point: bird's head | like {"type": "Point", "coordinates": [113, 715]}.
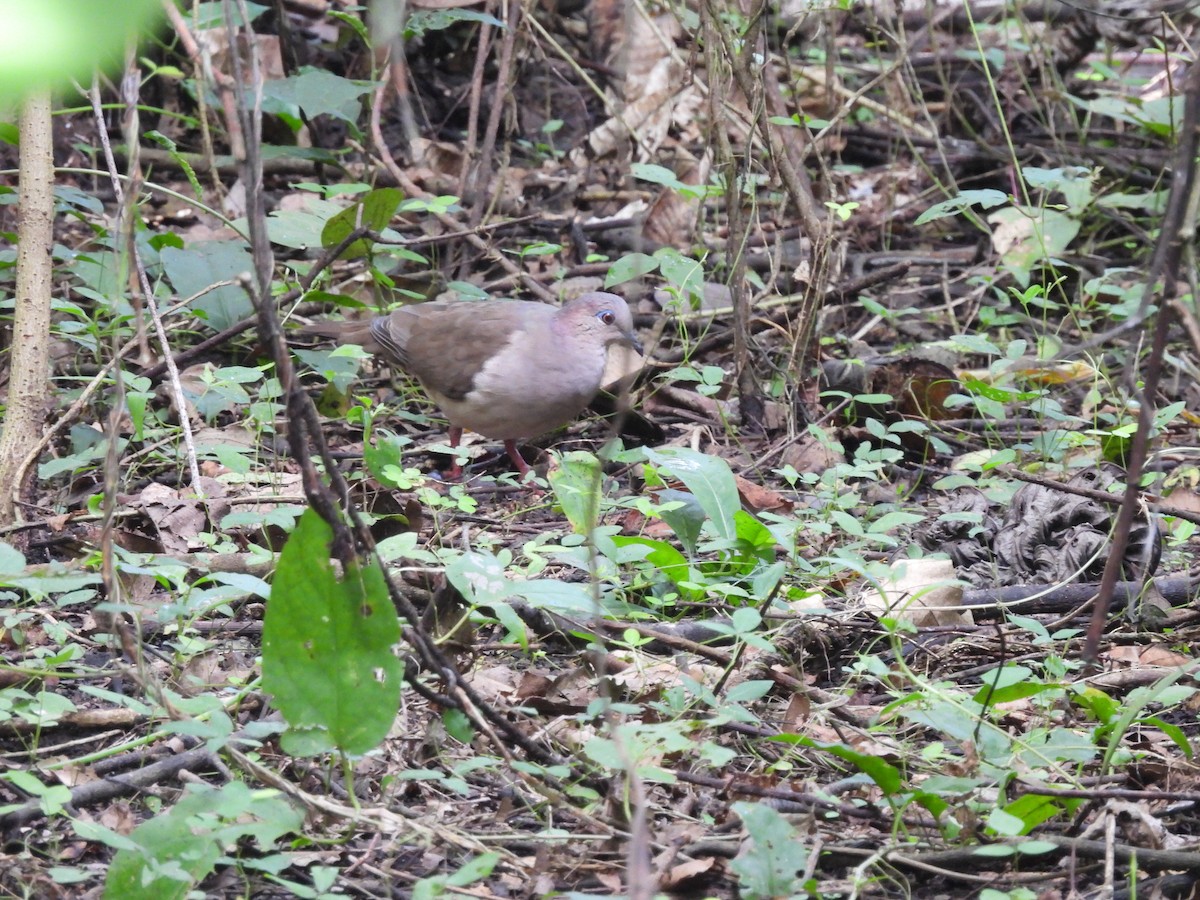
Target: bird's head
{"type": "Point", "coordinates": [603, 317]}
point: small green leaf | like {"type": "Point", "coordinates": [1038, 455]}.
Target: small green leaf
{"type": "Point", "coordinates": [629, 267]}
{"type": "Point", "coordinates": [373, 211]}
{"type": "Point", "coordinates": [987, 198]}
{"type": "Point", "coordinates": [576, 482]}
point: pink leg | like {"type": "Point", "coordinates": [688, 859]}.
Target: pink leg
{"type": "Point", "coordinates": [454, 473]}
{"type": "Point", "coordinates": [510, 447]}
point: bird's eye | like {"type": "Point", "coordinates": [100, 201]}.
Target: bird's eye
{"type": "Point", "coordinates": [606, 316]}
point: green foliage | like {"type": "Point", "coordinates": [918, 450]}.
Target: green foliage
{"type": "Point", "coordinates": [685, 276]}
{"type": "Point", "coordinates": [468, 874]}
{"type": "Point", "coordinates": [372, 211]}
{"type": "Point", "coordinates": [194, 272]}
{"type": "Point", "coordinates": [576, 482]}
{"type": "Point", "coordinates": [423, 21]}
{"type": "Point", "coordinates": [328, 648]}
{"type": "Point", "coordinates": [773, 855]}
{"type": "Point", "coordinates": [167, 855]}
{"type": "Point", "coordinates": [315, 92]}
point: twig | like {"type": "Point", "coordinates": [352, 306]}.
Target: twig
{"type": "Point", "coordinates": [147, 289]}
{"type": "Point", "coordinates": [1164, 265]}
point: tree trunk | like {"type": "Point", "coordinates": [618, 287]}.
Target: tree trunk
{"type": "Point", "coordinates": [29, 384]}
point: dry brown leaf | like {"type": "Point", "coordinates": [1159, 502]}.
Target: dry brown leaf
{"type": "Point", "coordinates": [1153, 655]}
{"type": "Point", "coordinates": [634, 522]}
{"type": "Point", "coordinates": [808, 454]}
{"type": "Point", "coordinates": [798, 709]}
{"type": "Point", "coordinates": [758, 498]}
{"type": "Point", "coordinates": [118, 817]}
{"type": "Point", "coordinates": [679, 875]}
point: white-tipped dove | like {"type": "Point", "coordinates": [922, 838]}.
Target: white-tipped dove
{"type": "Point", "coordinates": [506, 369]}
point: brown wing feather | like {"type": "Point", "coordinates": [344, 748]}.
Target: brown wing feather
{"type": "Point", "coordinates": [445, 345]}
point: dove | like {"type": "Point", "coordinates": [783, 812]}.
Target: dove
{"type": "Point", "coordinates": [505, 369]}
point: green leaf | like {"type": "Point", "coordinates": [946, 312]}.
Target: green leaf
{"type": "Point", "coordinates": [203, 264]}
{"type": "Point", "coordinates": [656, 174]}
{"type": "Point", "coordinates": [710, 481]}
{"type": "Point", "coordinates": [373, 211]}
{"type": "Point", "coordinates": [567, 598]}
{"type": "Point", "coordinates": [686, 519]}
{"type": "Point", "coordinates": [380, 455]}
{"type": "Point", "coordinates": [883, 773]}
{"type": "Point", "coordinates": [987, 198]}
{"type": "Point", "coordinates": [316, 92]}
{"type": "Point", "coordinates": [999, 851]}
{"type": "Point", "coordinates": [1032, 810]}
{"type": "Point", "coordinates": [211, 14]}
{"type": "Point", "coordinates": [683, 272]}
{"type": "Point", "coordinates": [769, 861]}
{"type": "Point", "coordinates": [327, 644]}
{"type": "Point", "coordinates": [300, 229]}
{"type": "Point", "coordinates": [421, 21]}
{"type": "Point", "coordinates": [180, 160]}
{"type": "Point", "coordinates": [662, 556]}
{"type": "Point", "coordinates": [1004, 823]}
{"type": "Point", "coordinates": [755, 540]}
{"type": "Point", "coordinates": [629, 267]}
{"type": "Point", "coordinates": [1174, 732]}
{"type": "Point", "coordinates": [12, 561]}
{"type": "Point", "coordinates": [458, 726]}
{"type": "Point", "coordinates": [1033, 235]}
{"type": "Point", "coordinates": [173, 851]}
{"type": "Point", "coordinates": [576, 483]}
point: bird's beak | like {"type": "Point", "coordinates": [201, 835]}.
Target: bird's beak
{"type": "Point", "coordinates": [633, 342]}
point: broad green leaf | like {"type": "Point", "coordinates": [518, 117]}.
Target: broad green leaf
{"type": "Point", "coordinates": [194, 270]}
{"type": "Point", "coordinates": [665, 558]}
{"type": "Point", "coordinates": [710, 481]}
{"type": "Point", "coordinates": [1033, 809]}
{"type": "Point", "coordinates": [1005, 823]}
{"type": "Point", "coordinates": [328, 644]}
{"type": "Point", "coordinates": [686, 519]}
{"type": "Point", "coordinates": [316, 92]}
{"type": "Point", "coordinates": [301, 229]}
{"type": "Point", "coordinates": [568, 598]}
{"type": "Point", "coordinates": [479, 577]}
{"type": "Point", "coordinates": [1028, 236]}
{"type": "Point", "coordinates": [769, 862]}
{"type": "Point", "coordinates": [755, 540]}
